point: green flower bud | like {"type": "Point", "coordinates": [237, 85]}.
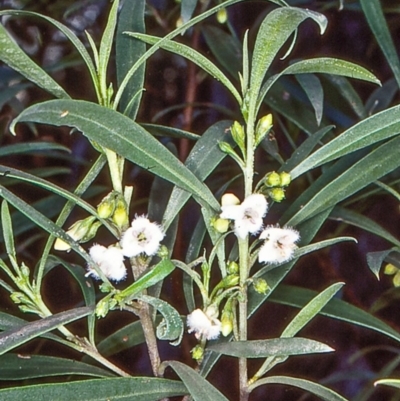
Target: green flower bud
{"type": "Point", "coordinates": [260, 285]}
{"type": "Point", "coordinates": [238, 135]}
{"type": "Point", "coordinates": [277, 194]}
{"type": "Point", "coordinates": [222, 16]}
{"type": "Point", "coordinates": [91, 232]}
{"type": "Point", "coordinates": [263, 126]}
{"type": "Point", "coordinates": [197, 353]}
{"type": "Point", "coordinates": [226, 322]}
{"type": "Point", "coordinates": [230, 281]}
{"type": "Point", "coordinates": [226, 148]}
{"type": "Point", "coordinates": [77, 231]}
{"type": "Point", "coordinates": [163, 252]}
{"type": "Point", "coordinates": [106, 207]}
{"type": "Point", "coordinates": [396, 279]}
{"type": "Point", "coordinates": [232, 268]}
{"type": "Point", "coordinates": [286, 179]}
{"type": "Point", "coordinates": [120, 216]}
{"type": "Point", "coordinates": [25, 272]}
{"type": "Point", "coordinates": [220, 225]}
{"type": "Point", "coordinates": [19, 297]}
{"type": "Point", "coordinates": [390, 269]}
{"type": "Point", "coordinates": [104, 306]}
{"type": "Point", "coordinates": [273, 179]}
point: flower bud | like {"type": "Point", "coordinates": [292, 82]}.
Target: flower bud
{"type": "Point", "coordinates": [163, 252]}
{"type": "Point", "coordinates": [220, 225]}
{"type": "Point", "coordinates": [390, 269]}
{"type": "Point", "coordinates": [238, 135]}
{"type": "Point", "coordinates": [396, 279]}
{"type": "Point", "coordinates": [277, 194]}
{"type": "Point", "coordinates": [18, 297]}
{"type": "Point", "coordinates": [232, 268]}
{"type": "Point", "coordinates": [222, 16]}
{"type": "Point", "coordinates": [226, 148]}
{"type": "Point", "coordinates": [120, 216]}
{"type": "Point", "coordinates": [264, 124]}
{"type": "Point", "coordinates": [197, 353]}
{"type": "Point", "coordinates": [91, 233]}
{"type": "Point", "coordinates": [260, 285]}
{"type": "Point", "coordinates": [106, 207]}
{"type": "Point", "coordinates": [273, 180]}
{"type": "Point", "coordinates": [285, 179]}
{"type": "Point", "coordinates": [230, 281]}
{"type": "Point", "coordinates": [25, 272]}
{"type": "Point", "coordinates": [226, 322]}
{"type": "Point", "coordinates": [229, 200]}
{"type": "Point", "coordinates": [77, 231]}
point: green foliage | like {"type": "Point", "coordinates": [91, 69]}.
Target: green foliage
{"type": "Point", "coordinates": [234, 264]}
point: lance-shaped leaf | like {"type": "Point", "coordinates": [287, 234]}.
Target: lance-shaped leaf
{"type": "Point", "coordinates": [273, 33]}
{"type": "Point", "coordinates": [121, 388]}
{"type": "Point", "coordinates": [114, 131]}
{"type": "Point", "coordinates": [68, 33]}
{"type": "Point", "coordinates": [12, 55]}
{"type": "Point", "coordinates": [156, 274]}
{"type": "Point", "coordinates": [369, 131]}
{"type": "Point", "coordinates": [273, 347]}
{"type": "Point", "coordinates": [199, 388]}
{"type": "Point", "coordinates": [336, 308]}
{"type": "Point", "coordinates": [376, 20]}
{"type": "Point", "coordinates": [11, 339]}
{"type": "Point", "coordinates": [194, 56]}
{"type": "Point", "coordinates": [20, 367]}
{"type": "Point", "coordinates": [128, 51]}
{"type": "Point", "coordinates": [375, 165]}
{"type": "Point", "coordinates": [171, 327]}
{"type": "Point", "coordinates": [320, 391]}
{"type": "Point", "coordinates": [388, 382]}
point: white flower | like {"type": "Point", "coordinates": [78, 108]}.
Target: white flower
{"type": "Point", "coordinates": [203, 325]}
{"type": "Point", "coordinates": [110, 261]}
{"type": "Point", "coordinates": [142, 237]}
{"type": "Point", "coordinates": [279, 244]}
{"type": "Point", "coordinates": [248, 216]}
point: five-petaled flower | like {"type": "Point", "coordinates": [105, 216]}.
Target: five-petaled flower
{"type": "Point", "coordinates": [279, 244]}
{"type": "Point", "coordinates": [109, 260]}
{"type": "Point", "coordinates": [248, 216]}
{"type": "Point", "coordinates": [142, 237]}
{"type": "Point", "coordinates": [204, 324]}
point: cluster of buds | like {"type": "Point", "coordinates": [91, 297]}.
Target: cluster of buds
{"type": "Point", "coordinates": [274, 185]}
{"type": "Point", "coordinates": [392, 270]}
{"type": "Point", "coordinates": [114, 207]}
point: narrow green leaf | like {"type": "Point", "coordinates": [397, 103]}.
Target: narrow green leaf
{"type": "Point", "coordinates": [17, 367]}
{"type": "Point", "coordinates": [156, 274]}
{"type": "Point", "coordinates": [388, 382]}
{"type": "Point", "coordinates": [11, 339]}
{"type": "Point", "coordinates": [114, 131]}
{"type": "Point", "coordinates": [105, 48]}
{"type": "Point", "coordinates": [369, 131]}
{"type": "Point", "coordinates": [321, 65]}
{"type": "Point", "coordinates": [273, 347]}
{"type": "Point", "coordinates": [202, 160]}
{"type": "Point", "coordinates": [12, 55]}
{"type": "Point", "coordinates": [42, 221]}
{"type": "Point", "coordinates": [309, 311]}
{"type": "Point", "coordinates": [128, 51]}
{"type": "Point", "coordinates": [171, 327]}
{"type": "Point", "coordinates": [373, 13]}
{"type": "Point", "coordinates": [20, 175]}
{"type": "Point", "coordinates": [356, 219]}
{"type": "Point", "coordinates": [375, 260]}
{"type": "Point", "coordinates": [6, 224]}
{"type": "Point", "coordinates": [336, 309]}
{"type": "Point", "coordinates": [315, 93]}
{"type": "Point", "coordinates": [321, 391]}
{"type": "Point", "coordinates": [66, 31]}
{"type": "Point", "coordinates": [376, 164]}
{"type": "Point", "coordinates": [121, 388]}
{"type": "Point", "coordinates": [171, 132]}
{"type": "Point", "coordinates": [199, 388]}
{"type": "Point", "coordinates": [195, 57]}
{"type": "Point", "coordinates": [31, 147]}
{"type": "Point", "coordinates": [273, 33]}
